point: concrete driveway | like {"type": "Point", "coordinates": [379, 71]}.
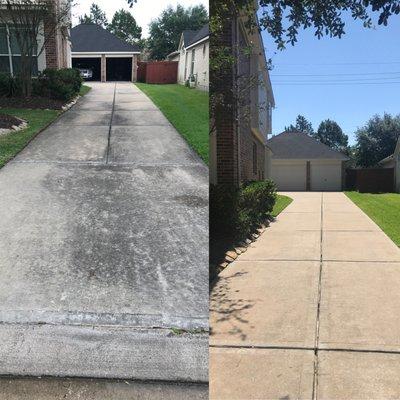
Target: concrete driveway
{"type": "Point", "coordinates": [103, 247]}
{"type": "Point", "coordinates": [310, 310]}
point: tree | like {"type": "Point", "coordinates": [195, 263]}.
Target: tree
{"type": "Point", "coordinates": [377, 139]}
{"type": "Point", "coordinates": [330, 133]}
{"type": "Point", "coordinates": [97, 16]}
{"type": "Point", "coordinates": [125, 27]}
{"type": "Point", "coordinates": [302, 125]}
{"type": "Point", "coordinates": [282, 19]}
{"type": "Point", "coordinates": [25, 19]}
{"type": "Point", "coordinates": [166, 30]}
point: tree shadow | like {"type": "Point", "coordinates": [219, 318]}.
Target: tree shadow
{"type": "Point", "coordinates": [227, 308]}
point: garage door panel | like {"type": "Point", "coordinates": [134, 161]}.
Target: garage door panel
{"type": "Point", "coordinates": [326, 177]}
{"type": "Point", "coordinates": [289, 176]}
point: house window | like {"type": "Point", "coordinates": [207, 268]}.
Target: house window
{"type": "Point", "coordinates": [10, 54]}
{"type": "Point", "coordinates": [204, 50]}
{"type": "Point", "coordinates": [254, 158]}
{"type": "Point", "coordinates": [192, 66]}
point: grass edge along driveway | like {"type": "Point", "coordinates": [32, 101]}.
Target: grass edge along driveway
{"type": "Point", "coordinates": [383, 209]}
{"type": "Point", "coordinates": [281, 203]}
{"type": "Point", "coordinates": [12, 143]}
{"type": "Point", "coordinates": [186, 109]}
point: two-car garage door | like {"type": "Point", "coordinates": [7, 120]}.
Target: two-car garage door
{"type": "Point", "coordinates": [293, 175]}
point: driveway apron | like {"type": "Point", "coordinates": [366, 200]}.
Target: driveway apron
{"type": "Point", "coordinates": [310, 310]}
{"type": "Point", "coordinates": [103, 247]}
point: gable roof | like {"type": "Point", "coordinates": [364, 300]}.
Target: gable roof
{"type": "Point", "coordinates": [202, 33]}
{"type": "Point", "coordinates": [94, 38]}
{"type": "Point", "coordinates": [298, 145]}
{"type": "Point", "coordinates": [188, 35]}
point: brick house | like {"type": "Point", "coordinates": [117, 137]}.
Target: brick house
{"type": "Point", "coordinates": [238, 151]}
{"type": "Point", "coordinates": [54, 48]}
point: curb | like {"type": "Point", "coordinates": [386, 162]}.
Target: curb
{"type": "Point", "coordinates": [103, 352]}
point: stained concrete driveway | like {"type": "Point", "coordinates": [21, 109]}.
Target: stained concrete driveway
{"type": "Point", "coordinates": [103, 247]}
{"type": "Point", "coordinates": [310, 310]}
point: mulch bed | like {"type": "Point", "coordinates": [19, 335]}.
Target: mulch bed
{"type": "Point", "coordinates": [40, 103]}
{"type": "Point", "coordinates": [8, 121]}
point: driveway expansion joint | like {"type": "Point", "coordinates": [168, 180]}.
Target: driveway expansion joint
{"type": "Point", "coordinates": [110, 127]}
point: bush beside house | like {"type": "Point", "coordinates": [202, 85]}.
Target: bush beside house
{"type": "Point", "coordinates": [236, 212]}
{"type": "Point", "coordinates": [63, 84]}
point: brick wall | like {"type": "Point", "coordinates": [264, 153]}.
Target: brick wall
{"type": "Point", "coordinates": [51, 47]}
{"type": "Point", "coordinates": [235, 141]}
{"type": "Point", "coordinates": [226, 131]}
{"type": "Point", "coordinates": [56, 44]}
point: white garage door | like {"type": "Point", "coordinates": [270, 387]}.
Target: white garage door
{"type": "Point", "coordinates": [289, 176]}
{"type": "Point", "coordinates": [326, 177]}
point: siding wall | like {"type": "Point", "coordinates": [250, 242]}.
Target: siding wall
{"type": "Point", "coordinates": [201, 64]}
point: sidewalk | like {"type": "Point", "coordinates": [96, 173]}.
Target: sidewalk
{"type": "Point", "coordinates": [310, 310]}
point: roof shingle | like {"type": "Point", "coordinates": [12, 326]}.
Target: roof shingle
{"type": "Point", "coordinates": [298, 145]}
{"type": "Point", "coordinates": [94, 38]}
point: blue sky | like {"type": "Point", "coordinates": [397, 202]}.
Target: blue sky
{"type": "Point", "coordinates": [370, 54]}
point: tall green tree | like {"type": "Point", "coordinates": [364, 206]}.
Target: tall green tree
{"type": "Point", "coordinates": [331, 134]}
{"type": "Point", "coordinates": [96, 16]}
{"type": "Point", "coordinates": [302, 125]}
{"type": "Point", "coordinates": [125, 27]}
{"type": "Point", "coordinates": [377, 139]}
{"type": "Point", "coordinates": [166, 30]}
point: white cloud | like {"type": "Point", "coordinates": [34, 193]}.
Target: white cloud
{"type": "Point", "coordinates": [143, 11]}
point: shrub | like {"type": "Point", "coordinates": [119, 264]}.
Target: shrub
{"type": "Point", "coordinates": [9, 85]}
{"type": "Point", "coordinates": [63, 84]}
{"type": "Point", "coordinates": [257, 200]}
{"type": "Point", "coordinates": [234, 213]}
{"type": "Point", "coordinates": [223, 210]}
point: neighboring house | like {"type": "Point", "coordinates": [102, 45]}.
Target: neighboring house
{"type": "Point", "coordinates": [393, 161]}
{"type": "Point", "coordinates": [238, 151]}
{"type": "Point", "coordinates": [300, 162]}
{"type": "Point", "coordinates": [174, 56]}
{"type": "Point", "coordinates": [56, 52]}
{"type": "Point", "coordinates": [109, 57]}
{"type": "Point", "coordinates": [193, 57]}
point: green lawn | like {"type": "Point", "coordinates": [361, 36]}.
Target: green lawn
{"type": "Point", "coordinates": [12, 143]}
{"type": "Point", "coordinates": [186, 109]}
{"type": "Point", "coordinates": [84, 90]}
{"type": "Point", "coordinates": [383, 209]}
{"type": "Point", "coordinates": [281, 203]}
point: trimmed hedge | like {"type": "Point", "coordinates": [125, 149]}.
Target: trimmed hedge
{"type": "Point", "coordinates": [235, 213]}
{"type": "Point", "coordinates": [63, 84]}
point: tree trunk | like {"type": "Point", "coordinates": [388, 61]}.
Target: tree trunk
{"type": "Point", "coordinates": [26, 75]}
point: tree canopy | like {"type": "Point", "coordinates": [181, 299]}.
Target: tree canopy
{"type": "Point", "coordinates": [96, 16]}
{"type": "Point", "coordinates": [377, 139]}
{"type": "Point", "coordinates": [302, 125]}
{"type": "Point", "coordinates": [166, 30]}
{"type": "Point", "coordinates": [125, 27]}
{"type": "Point", "coordinates": [331, 134]}
{"type": "Point", "coordinates": [284, 18]}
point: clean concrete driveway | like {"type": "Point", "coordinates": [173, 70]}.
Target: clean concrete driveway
{"type": "Point", "coordinates": [310, 310]}
{"type": "Point", "coordinates": [103, 247]}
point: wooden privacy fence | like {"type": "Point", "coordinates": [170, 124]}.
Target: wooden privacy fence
{"type": "Point", "coordinates": [370, 180]}
{"type": "Point", "coordinates": [161, 72]}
